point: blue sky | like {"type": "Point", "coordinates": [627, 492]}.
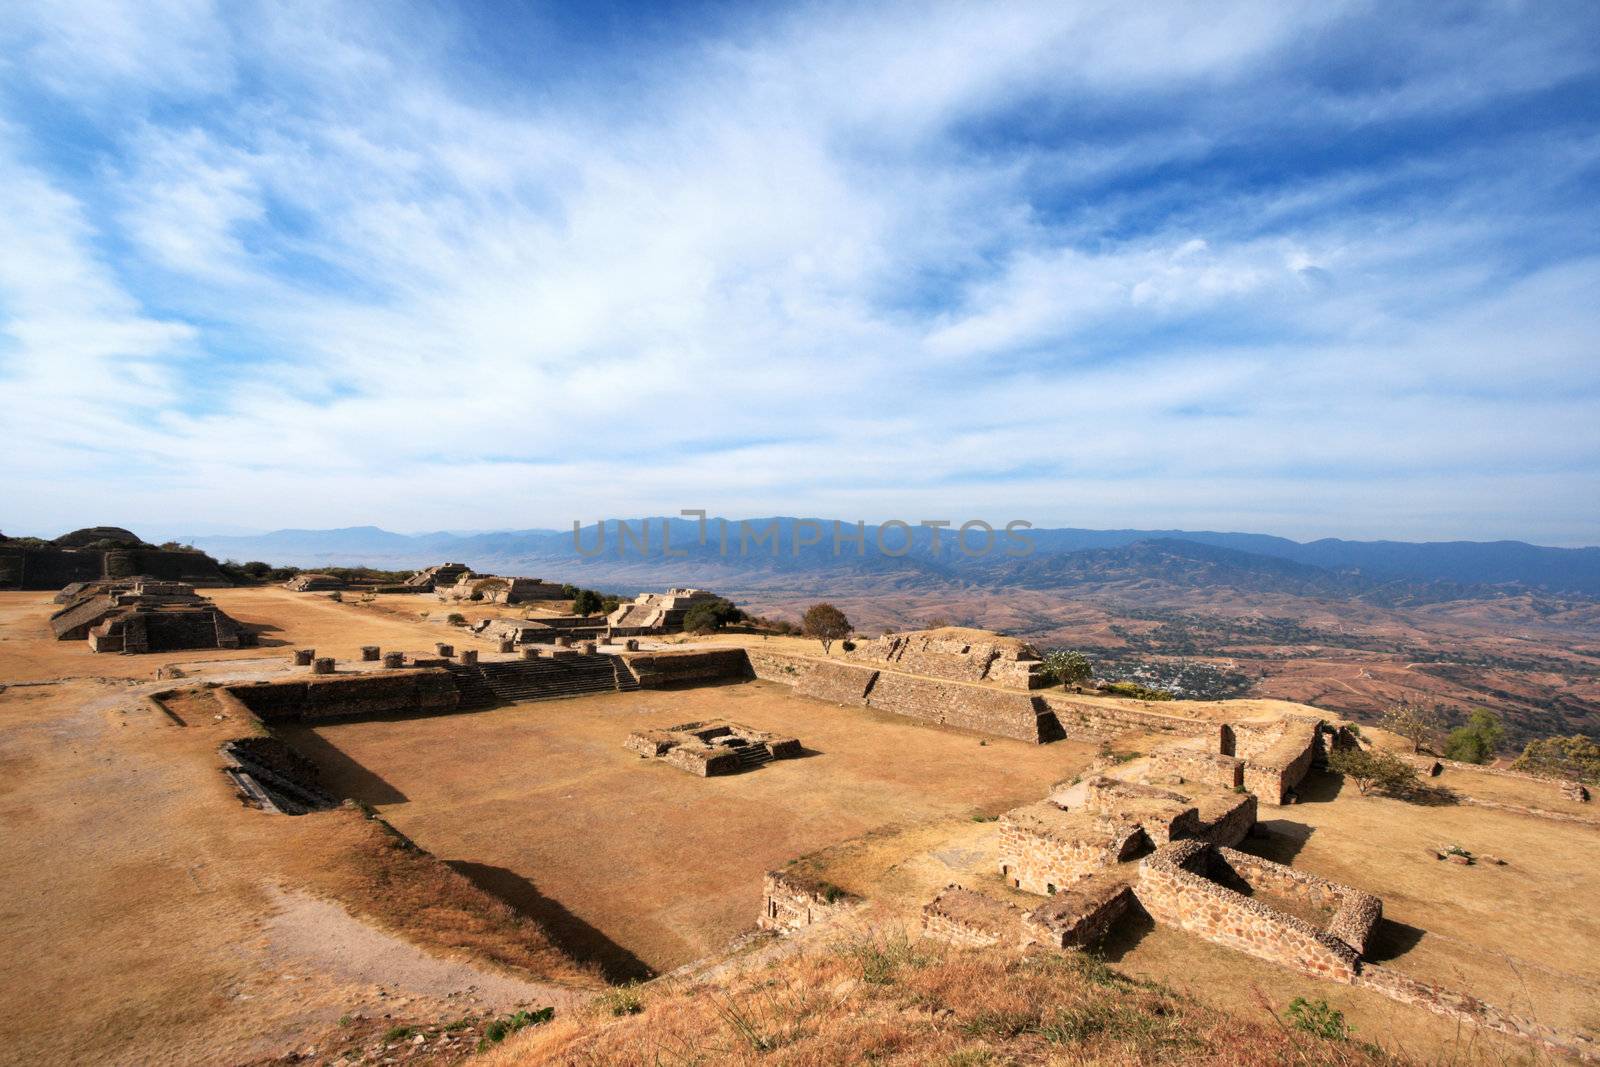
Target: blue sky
{"type": "Point", "coordinates": [1317, 270]}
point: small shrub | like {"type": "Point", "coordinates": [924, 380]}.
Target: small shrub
{"type": "Point", "coordinates": [1067, 666]}
{"type": "Point", "coordinates": [848, 646]}
{"type": "Point", "coordinates": [881, 960]}
{"type": "Point", "coordinates": [455, 618]}
{"type": "Point", "coordinates": [1374, 772]}
{"type": "Point", "coordinates": [625, 1000]}
{"type": "Point", "coordinates": [1315, 1017]}
{"type": "Point", "coordinates": [399, 1033]}
{"type": "Point", "coordinates": [503, 1027]}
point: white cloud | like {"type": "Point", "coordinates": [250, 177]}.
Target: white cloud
{"type": "Point", "coordinates": [787, 275]}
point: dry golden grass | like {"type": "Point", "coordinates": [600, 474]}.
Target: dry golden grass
{"type": "Point", "coordinates": [377, 873]}
{"type": "Point", "coordinates": [893, 1001]}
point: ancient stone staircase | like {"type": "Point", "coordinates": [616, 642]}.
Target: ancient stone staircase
{"type": "Point", "coordinates": [488, 684]}
{"type": "Point", "coordinates": [753, 755]}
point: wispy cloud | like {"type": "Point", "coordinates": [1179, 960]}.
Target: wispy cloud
{"type": "Point", "coordinates": [1241, 267]}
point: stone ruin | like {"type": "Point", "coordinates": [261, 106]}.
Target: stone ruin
{"type": "Point", "coordinates": [145, 615]}
{"type": "Point", "coordinates": [1099, 847]}
{"type": "Point", "coordinates": [541, 631]}
{"type": "Point", "coordinates": [100, 553]}
{"type": "Point", "coordinates": [315, 583]}
{"type": "Point", "coordinates": [655, 613]}
{"type": "Point", "coordinates": [496, 589]}
{"type": "Point", "coordinates": [711, 748]}
{"type": "Point", "coordinates": [442, 574]}
{"type": "Point", "coordinates": [958, 654]}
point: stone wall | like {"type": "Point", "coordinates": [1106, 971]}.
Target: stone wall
{"type": "Point", "coordinates": [1196, 765]}
{"type": "Point", "coordinates": [792, 901]}
{"type": "Point", "coordinates": [1226, 818]}
{"type": "Point", "coordinates": [1080, 914]}
{"type": "Point", "coordinates": [962, 917]}
{"type": "Point", "coordinates": [1471, 1010]}
{"type": "Point", "coordinates": [312, 700]}
{"type": "Point", "coordinates": [1276, 755]}
{"type": "Point", "coordinates": [657, 669]}
{"type": "Point", "coordinates": [784, 667]}
{"type": "Point", "coordinates": [1044, 849]}
{"type": "Point", "coordinates": [1083, 720]}
{"type": "Point", "coordinates": [981, 708]}
{"type": "Point", "coordinates": [837, 683]}
{"type": "Point", "coordinates": [1355, 913]}
{"type": "Point", "coordinates": [1170, 890]}
{"type": "Point", "coordinates": [957, 655]}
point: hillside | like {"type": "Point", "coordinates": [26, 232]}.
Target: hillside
{"type": "Point", "coordinates": [891, 1001]}
{"type": "Point", "coordinates": [1466, 564]}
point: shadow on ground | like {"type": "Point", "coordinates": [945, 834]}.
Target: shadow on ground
{"type": "Point", "coordinates": [1278, 840]}
{"type": "Point", "coordinates": [1125, 935]}
{"type": "Point", "coordinates": [1391, 939]}
{"type": "Point", "coordinates": [571, 934]}
{"type": "Point", "coordinates": [341, 775]}
{"type": "Point", "coordinates": [1319, 787]}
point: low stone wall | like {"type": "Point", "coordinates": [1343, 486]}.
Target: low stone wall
{"type": "Point", "coordinates": [1170, 890]}
{"type": "Point", "coordinates": [955, 655]}
{"type": "Point", "coordinates": [1471, 1010]}
{"type": "Point", "coordinates": [311, 700]}
{"type": "Point", "coordinates": [1080, 914]}
{"type": "Point", "coordinates": [1085, 721]}
{"type": "Point", "coordinates": [1355, 913]}
{"type": "Point", "coordinates": [1272, 770]}
{"type": "Point", "coordinates": [1226, 818]}
{"type": "Point", "coordinates": [693, 666]}
{"type": "Point", "coordinates": [1044, 849]}
{"type": "Point", "coordinates": [981, 708]}
{"type": "Point", "coordinates": [1195, 765]}
{"type": "Point", "coordinates": [962, 917]}
{"type": "Point", "coordinates": [783, 667]}
{"type": "Point", "coordinates": [792, 901]}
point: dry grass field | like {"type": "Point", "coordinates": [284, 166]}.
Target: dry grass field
{"type": "Point", "coordinates": [639, 864]}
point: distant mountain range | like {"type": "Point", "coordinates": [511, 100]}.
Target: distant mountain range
{"type": "Point", "coordinates": [797, 553]}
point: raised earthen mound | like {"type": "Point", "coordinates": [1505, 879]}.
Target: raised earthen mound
{"type": "Point", "coordinates": [94, 535]}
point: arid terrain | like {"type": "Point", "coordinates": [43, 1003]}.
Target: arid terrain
{"type": "Point", "coordinates": [149, 917]}
{"type": "Point", "coordinates": [1532, 660]}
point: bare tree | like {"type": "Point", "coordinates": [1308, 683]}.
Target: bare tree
{"type": "Point", "coordinates": [1415, 723]}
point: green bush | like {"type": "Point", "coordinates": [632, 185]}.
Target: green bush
{"type": "Point", "coordinates": [1317, 1018]}
{"type": "Point", "coordinates": [503, 1027]}
{"type": "Point", "coordinates": [709, 616]}
{"type": "Point", "coordinates": [1475, 742]}
{"type": "Point", "coordinates": [1373, 771]}
{"type": "Point", "coordinates": [1576, 757]}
